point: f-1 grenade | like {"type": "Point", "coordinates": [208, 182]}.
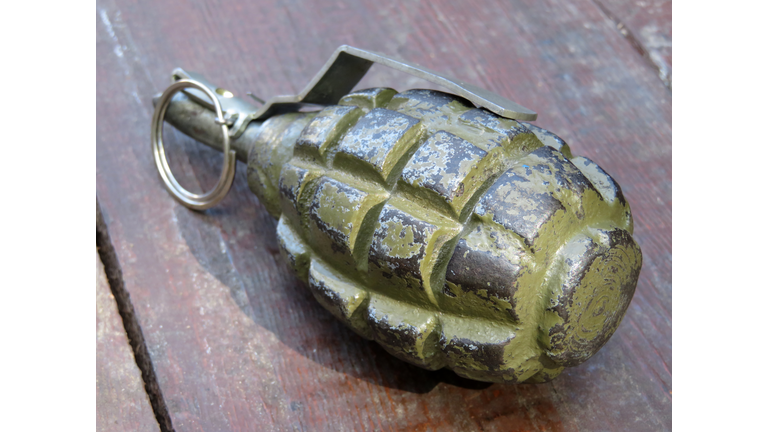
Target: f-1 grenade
{"type": "Point", "coordinates": [450, 235]}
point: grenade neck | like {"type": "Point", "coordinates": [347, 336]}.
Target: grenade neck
{"type": "Point", "coordinates": [198, 122]}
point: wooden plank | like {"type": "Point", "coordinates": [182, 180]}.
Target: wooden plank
{"type": "Point", "coordinates": [237, 342]}
{"type": "Point", "coordinates": [647, 24]}
{"type": "Point", "coordinates": [121, 402]}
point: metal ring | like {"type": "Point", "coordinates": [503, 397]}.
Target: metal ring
{"type": "Point", "coordinates": [187, 198]}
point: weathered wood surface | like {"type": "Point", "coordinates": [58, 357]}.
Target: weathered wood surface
{"type": "Point", "coordinates": [237, 342]}
{"type": "Point", "coordinates": [647, 25]}
{"type": "Point", "coordinates": [121, 402]}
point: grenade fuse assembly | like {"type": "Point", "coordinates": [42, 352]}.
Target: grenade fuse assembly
{"type": "Point", "coordinates": [442, 226]}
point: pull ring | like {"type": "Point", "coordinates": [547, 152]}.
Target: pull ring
{"type": "Point", "coordinates": [185, 197]}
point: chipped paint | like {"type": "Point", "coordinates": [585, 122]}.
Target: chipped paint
{"type": "Point", "coordinates": [451, 236]}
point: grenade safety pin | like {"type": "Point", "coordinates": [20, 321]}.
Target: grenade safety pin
{"type": "Point", "coordinates": [442, 226]}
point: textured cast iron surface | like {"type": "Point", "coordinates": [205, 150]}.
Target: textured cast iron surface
{"type": "Point", "coordinates": [449, 235]}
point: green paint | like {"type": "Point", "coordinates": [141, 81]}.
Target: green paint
{"type": "Point", "coordinates": [372, 217]}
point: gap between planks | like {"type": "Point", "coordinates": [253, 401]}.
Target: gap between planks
{"type": "Point", "coordinates": [127, 313]}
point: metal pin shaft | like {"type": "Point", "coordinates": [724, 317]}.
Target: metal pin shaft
{"type": "Point", "coordinates": [199, 123]}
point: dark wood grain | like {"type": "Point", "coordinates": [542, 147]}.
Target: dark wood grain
{"type": "Point", "coordinates": [121, 402]}
{"type": "Point", "coordinates": [237, 342]}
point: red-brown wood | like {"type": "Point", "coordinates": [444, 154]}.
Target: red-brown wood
{"type": "Point", "coordinates": [647, 24]}
{"type": "Point", "coordinates": [121, 402]}
{"type": "Point", "coordinates": [236, 341]}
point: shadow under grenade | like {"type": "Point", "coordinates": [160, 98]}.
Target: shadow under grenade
{"type": "Point", "coordinates": [442, 226]}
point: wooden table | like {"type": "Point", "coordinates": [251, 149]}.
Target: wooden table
{"type": "Point", "coordinates": [227, 339]}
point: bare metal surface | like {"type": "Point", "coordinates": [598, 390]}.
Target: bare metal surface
{"type": "Point", "coordinates": [453, 237]}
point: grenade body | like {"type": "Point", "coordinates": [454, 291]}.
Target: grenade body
{"type": "Point", "coordinates": [449, 235]}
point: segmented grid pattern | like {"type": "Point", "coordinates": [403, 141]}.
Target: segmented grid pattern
{"type": "Point", "coordinates": [388, 184]}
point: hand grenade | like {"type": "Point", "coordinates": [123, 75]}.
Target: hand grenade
{"type": "Point", "coordinates": [439, 225]}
